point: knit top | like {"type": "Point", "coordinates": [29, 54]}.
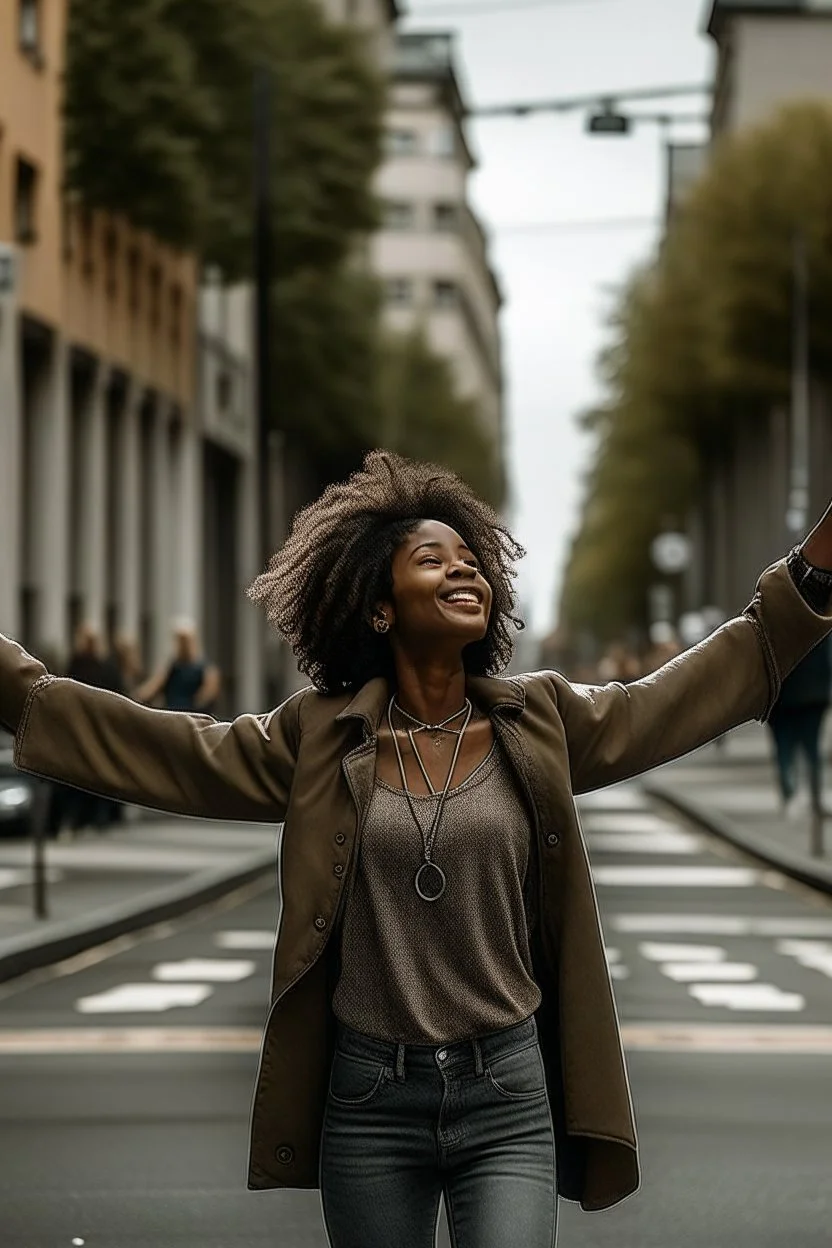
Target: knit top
{"type": "Point", "coordinates": [420, 972]}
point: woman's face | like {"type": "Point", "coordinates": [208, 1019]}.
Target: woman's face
{"type": "Point", "coordinates": [439, 593]}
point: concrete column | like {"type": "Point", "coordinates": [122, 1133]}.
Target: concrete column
{"type": "Point", "coordinates": [251, 619]}
{"type": "Point", "coordinates": [161, 535]}
{"type": "Point", "coordinates": [10, 456]}
{"type": "Point", "coordinates": [49, 511]}
{"type": "Point", "coordinates": [186, 531]}
{"type": "Point", "coordinates": [92, 504]}
{"type": "Point", "coordinates": [128, 589]}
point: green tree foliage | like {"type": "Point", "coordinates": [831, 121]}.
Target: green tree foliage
{"type": "Point", "coordinates": [159, 107]}
{"type": "Point", "coordinates": [424, 418]}
{"type": "Point", "coordinates": [699, 339]}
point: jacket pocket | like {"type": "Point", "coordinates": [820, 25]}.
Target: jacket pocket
{"type": "Point", "coordinates": [355, 1080]}
{"type": "Point", "coordinates": [518, 1076]}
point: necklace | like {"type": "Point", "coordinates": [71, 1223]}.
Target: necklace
{"type": "Point", "coordinates": [430, 879]}
{"type": "Point", "coordinates": [435, 729]}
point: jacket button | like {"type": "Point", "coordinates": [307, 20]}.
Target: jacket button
{"type": "Point", "coordinates": [339, 838]}
{"type": "Point", "coordinates": [338, 869]}
{"type": "Point", "coordinates": [552, 839]}
{"type": "Point", "coordinates": [285, 1154]}
{"type": "Point", "coordinates": [320, 923]}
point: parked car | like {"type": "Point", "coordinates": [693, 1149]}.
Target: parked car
{"type": "Point", "coordinates": [17, 793]}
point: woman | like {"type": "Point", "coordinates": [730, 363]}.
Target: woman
{"type": "Point", "coordinates": [442, 1019]}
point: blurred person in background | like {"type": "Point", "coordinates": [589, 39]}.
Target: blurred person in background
{"type": "Point", "coordinates": [439, 942]}
{"type": "Point", "coordinates": [186, 682]}
{"type": "Point", "coordinates": [128, 657]}
{"type": "Point", "coordinates": [89, 664]}
{"type": "Point", "coordinates": [796, 723]}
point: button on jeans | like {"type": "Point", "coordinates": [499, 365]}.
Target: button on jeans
{"type": "Point", "coordinates": [407, 1124]}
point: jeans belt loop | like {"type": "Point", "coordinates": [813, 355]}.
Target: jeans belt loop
{"type": "Point", "coordinates": [400, 1062]}
{"type": "Point", "coordinates": [477, 1057]}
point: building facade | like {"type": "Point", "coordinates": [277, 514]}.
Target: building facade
{"type": "Point", "coordinates": [98, 444]}
{"type": "Point", "coordinates": [431, 252]}
{"type": "Point", "coordinates": [768, 55]}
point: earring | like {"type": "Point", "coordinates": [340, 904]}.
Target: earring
{"type": "Point", "coordinates": [382, 624]}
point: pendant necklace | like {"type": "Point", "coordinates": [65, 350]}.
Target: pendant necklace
{"type": "Point", "coordinates": [430, 880]}
{"type": "Point", "coordinates": [435, 729]}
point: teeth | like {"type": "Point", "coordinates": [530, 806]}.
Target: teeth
{"type": "Point", "coordinates": [462, 597]}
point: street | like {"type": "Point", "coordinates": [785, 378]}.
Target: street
{"type": "Point", "coordinates": [126, 1075]}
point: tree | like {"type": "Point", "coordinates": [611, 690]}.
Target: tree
{"type": "Point", "coordinates": [702, 337]}
{"type": "Point", "coordinates": [159, 124]}
{"type": "Point", "coordinates": [423, 416]}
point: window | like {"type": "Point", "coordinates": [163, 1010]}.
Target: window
{"type": "Point", "coordinates": [443, 141]}
{"type": "Point", "coordinates": [28, 26]}
{"type": "Point", "coordinates": [402, 142]}
{"type": "Point", "coordinates": [445, 217]}
{"type": "Point", "coordinates": [176, 304]}
{"type": "Point", "coordinates": [445, 294]}
{"type": "Point", "coordinates": [25, 202]}
{"type": "Point", "coordinates": [134, 263]}
{"type": "Point", "coordinates": [111, 262]}
{"type": "Point", "coordinates": [155, 295]}
{"type": "Point", "coordinates": [399, 215]}
{"type": "Point", "coordinates": [224, 391]}
{"type": "Point", "coordinates": [399, 291]}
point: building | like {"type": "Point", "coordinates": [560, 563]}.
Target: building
{"type": "Point", "coordinates": [99, 453]}
{"type": "Point", "coordinates": [768, 54]}
{"type": "Point", "coordinates": [375, 17]}
{"type": "Point", "coordinates": [431, 252]}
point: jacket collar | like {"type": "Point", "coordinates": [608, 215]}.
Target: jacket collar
{"type": "Point", "coordinates": [489, 693]}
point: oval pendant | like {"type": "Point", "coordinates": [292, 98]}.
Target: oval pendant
{"type": "Point", "coordinates": [430, 881]}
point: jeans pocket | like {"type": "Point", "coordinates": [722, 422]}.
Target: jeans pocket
{"type": "Point", "coordinates": [355, 1080]}
{"type": "Point", "coordinates": [518, 1076]}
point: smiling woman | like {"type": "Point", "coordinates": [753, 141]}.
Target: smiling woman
{"type": "Point", "coordinates": [442, 1023]}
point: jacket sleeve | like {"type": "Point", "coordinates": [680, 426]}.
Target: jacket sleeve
{"type": "Point", "coordinates": [617, 731]}
{"type": "Point", "coordinates": [167, 760]}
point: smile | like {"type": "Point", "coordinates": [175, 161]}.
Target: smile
{"type": "Point", "coordinates": [469, 597]}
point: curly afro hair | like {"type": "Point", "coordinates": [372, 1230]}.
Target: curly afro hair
{"type": "Point", "coordinates": [322, 586]}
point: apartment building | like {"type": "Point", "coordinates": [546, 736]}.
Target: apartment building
{"type": "Point", "coordinates": [768, 54]}
{"type": "Point", "coordinates": [99, 453]}
{"type": "Point", "coordinates": [432, 252]}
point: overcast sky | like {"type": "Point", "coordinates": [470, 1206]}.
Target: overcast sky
{"type": "Point", "coordinates": [558, 283]}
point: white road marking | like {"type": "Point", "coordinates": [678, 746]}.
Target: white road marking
{"type": "Point", "coordinates": [139, 998]}
{"type": "Point", "coordinates": [716, 925]}
{"type": "Point", "coordinates": [765, 997]}
{"type": "Point", "coordinates": [216, 971]}
{"type": "Point", "coordinates": [245, 940]}
{"type": "Point", "coordinates": [676, 877]}
{"type": "Point", "coordinates": [123, 1040]}
{"type": "Point", "coordinates": [619, 971]}
{"type": "Point", "coordinates": [726, 1038]}
{"type": "Point", "coordinates": [643, 843]}
{"type": "Point", "coordinates": [613, 955]}
{"type": "Point", "coordinates": [712, 973]}
{"type": "Point", "coordinates": [629, 822]}
{"type": "Point", "coordinates": [614, 799]}
{"type": "Point", "coordinates": [681, 953]}
{"type": "Point", "coordinates": [815, 955]}
{"type": "Point", "coordinates": [17, 877]}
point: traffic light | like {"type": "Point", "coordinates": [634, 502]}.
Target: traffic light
{"type": "Point", "coordinates": [608, 121]}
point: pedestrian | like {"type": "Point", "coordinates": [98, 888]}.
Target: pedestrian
{"type": "Point", "coordinates": [185, 682]}
{"type": "Point", "coordinates": [442, 1021]}
{"type": "Point", "coordinates": [90, 665]}
{"type": "Point", "coordinates": [796, 723]}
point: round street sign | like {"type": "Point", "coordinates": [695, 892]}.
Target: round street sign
{"type": "Point", "coordinates": [671, 552]}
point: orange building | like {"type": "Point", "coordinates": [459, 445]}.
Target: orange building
{"type": "Point", "coordinates": [99, 450]}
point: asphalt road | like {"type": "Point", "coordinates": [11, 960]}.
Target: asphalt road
{"type": "Point", "coordinates": [114, 1135]}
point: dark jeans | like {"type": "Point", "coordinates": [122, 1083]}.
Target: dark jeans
{"type": "Point", "coordinates": [798, 730]}
{"type": "Point", "coordinates": [407, 1124]}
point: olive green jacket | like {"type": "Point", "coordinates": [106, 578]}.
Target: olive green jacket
{"type": "Point", "coordinates": [311, 763]}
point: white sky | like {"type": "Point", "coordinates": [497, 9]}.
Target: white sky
{"type": "Point", "coordinates": [545, 168]}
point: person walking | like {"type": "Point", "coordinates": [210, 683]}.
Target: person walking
{"type": "Point", "coordinates": [186, 682]}
{"type": "Point", "coordinates": [796, 723]}
{"type": "Point", "coordinates": [442, 1022]}
{"type": "Point", "coordinates": [90, 665]}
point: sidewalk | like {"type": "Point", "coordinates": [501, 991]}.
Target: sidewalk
{"type": "Point", "coordinates": [730, 788]}
{"type": "Point", "coordinates": [100, 886]}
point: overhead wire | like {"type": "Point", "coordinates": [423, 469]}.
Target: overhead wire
{"type": "Point", "coordinates": [482, 8]}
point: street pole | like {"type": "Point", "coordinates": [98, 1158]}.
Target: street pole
{"type": "Point", "coordinates": [40, 814]}
{"type": "Point", "coordinates": [798, 505]}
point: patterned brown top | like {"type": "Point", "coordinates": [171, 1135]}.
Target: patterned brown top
{"type": "Point", "coordinates": [432, 973]}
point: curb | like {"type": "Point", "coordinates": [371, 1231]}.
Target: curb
{"type": "Point", "coordinates": [33, 951]}
{"type": "Point", "coordinates": [788, 864]}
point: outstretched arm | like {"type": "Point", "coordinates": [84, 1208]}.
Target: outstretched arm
{"type": "Point", "coordinates": [614, 731]}
{"type": "Point", "coordinates": [168, 760]}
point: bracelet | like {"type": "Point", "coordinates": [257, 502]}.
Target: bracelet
{"type": "Point", "coordinates": [814, 584]}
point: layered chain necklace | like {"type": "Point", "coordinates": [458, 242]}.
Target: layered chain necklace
{"type": "Point", "coordinates": [430, 879]}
